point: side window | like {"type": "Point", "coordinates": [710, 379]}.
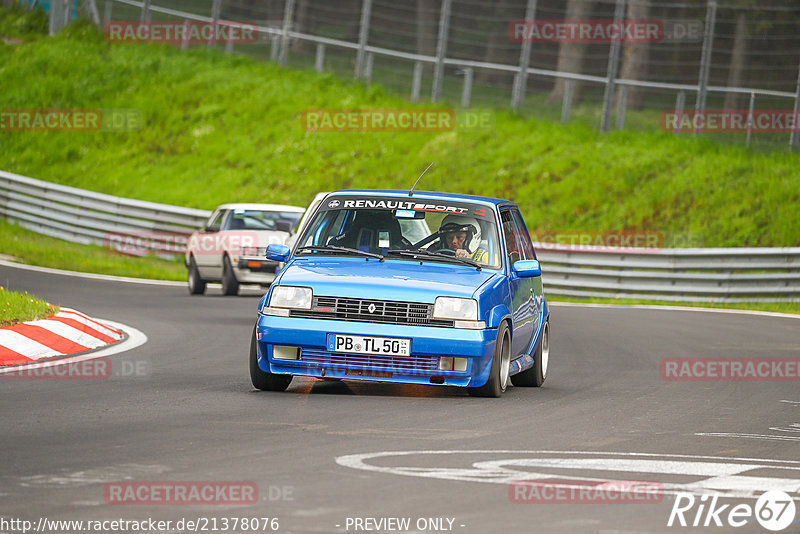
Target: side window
{"type": "Point", "coordinates": [525, 237]}
{"type": "Point", "coordinates": [215, 223]}
{"type": "Point", "coordinates": [513, 248]}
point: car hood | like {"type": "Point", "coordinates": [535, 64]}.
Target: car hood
{"type": "Point", "coordinates": [389, 280]}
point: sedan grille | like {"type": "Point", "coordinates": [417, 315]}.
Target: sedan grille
{"type": "Point", "coordinates": [373, 311]}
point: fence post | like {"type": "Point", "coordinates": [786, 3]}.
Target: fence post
{"type": "Point", "coordinates": [319, 62]}
{"type": "Point", "coordinates": [521, 79]}
{"type": "Point", "coordinates": [368, 67]}
{"type": "Point", "coordinates": [441, 50]}
{"type": "Point", "coordinates": [146, 11]}
{"type": "Point", "coordinates": [363, 35]}
{"type": "Point", "coordinates": [55, 17]}
{"type": "Point", "coordinates": [705, 58]}
{"type": "Point", "coordinates": [288, 13]}
{"type": "Point", "coordinates": [91, 7]}
{"type": "Point", "coordinates": [750, 117]}
{"type": "Point", "coordinates": [215, 9]}
{"type": "Point", "coordinates": [416, 83]}
{"type": "Point", "coordinates": [680, 104]}
{"type": "Point", "coordinates": [613, 67]}
{"type": "Point", "coordinates": [466, 91]}
{"type": "Point", "coordinates": [274, 47]}
{"type": "Point", "coordinates": [793, 138]}
{"type": "Point", "coordinates": [229, 44]}
{"type": "Point", "coordinates": [566, 104]}
{"type": "Point", "coordinates": [622, 102]}
{"type": "Point", "coordinates": [107, 12]}
{"type": "Point", "coordinates": [185, 38]}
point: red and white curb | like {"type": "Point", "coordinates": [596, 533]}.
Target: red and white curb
{"type": "Point", "coordinates": [65, 333]}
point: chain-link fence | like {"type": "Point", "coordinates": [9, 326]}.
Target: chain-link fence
{"type": "Point", "coordinates": [729, 70]}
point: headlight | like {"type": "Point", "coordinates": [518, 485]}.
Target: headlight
{"type": "Point", "coordinates": [456, 309]}
{"type": "Point", "coordinates": [291, 297]}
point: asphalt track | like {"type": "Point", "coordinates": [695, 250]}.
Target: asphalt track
{"type": "Point", "coordinates": [192, 415]}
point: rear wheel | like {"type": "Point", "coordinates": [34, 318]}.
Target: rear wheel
{"type": "Point", "coordinates": [261, 379]}
{"type": "Point", "coordinates": [230, 286]}
{"type": "Point", "coordinates": [535, 376]}
{"type": "Point", "coordinates": [197, 286]}
{"type": "Point", "coordinates": [498, 375]}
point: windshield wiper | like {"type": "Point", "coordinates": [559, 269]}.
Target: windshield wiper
{"type": "Point", "coordinates": [333, 248]}
{"type": "Point", "coordinates": [432, 254]}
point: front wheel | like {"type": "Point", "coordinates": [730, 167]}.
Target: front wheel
{"type": "Point", "coordinates": [261, 379]}
{"type": "Point", "coordinates": [230, 286]}
{"type": "Point", "coordinates": [498, 374]}
{"type": "Point", "coordinates": [197, 286]}
{"type": "Point", "coordinates": [534, 376]}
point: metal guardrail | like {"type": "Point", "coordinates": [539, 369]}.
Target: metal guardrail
{"type": "Point", "coordinates": [690, 274]}
{"type": "Point", "coordinates": [94, 218]}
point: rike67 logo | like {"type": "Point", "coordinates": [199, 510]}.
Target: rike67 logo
{"type": "Point", "coordinates": [774, 510]}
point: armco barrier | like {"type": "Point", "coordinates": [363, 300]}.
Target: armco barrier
{"type": "Point", "coordinates": [694, 274]}
{"type": "Point", "coordinates": [688, 274]}
{"type": "Point", "coordinates": [88, 217]}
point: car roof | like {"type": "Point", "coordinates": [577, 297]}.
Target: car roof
{"type": "Point", "coordinates": [265, 207]}
{"type": "Point", "coordinates": [427, 195]}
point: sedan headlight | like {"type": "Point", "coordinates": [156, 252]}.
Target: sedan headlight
{"type": "Point", "coordinates": [457, 309]}
{"type": "Point", "coordinates": [291, 297]}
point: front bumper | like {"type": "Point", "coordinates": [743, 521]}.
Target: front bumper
{"type": "Point", "coordinates": [255, 270]}
{"type": "Point", "coordinates": [428, 344]}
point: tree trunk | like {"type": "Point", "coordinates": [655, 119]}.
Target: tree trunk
{"type": "Point", "coordinates": [634, 58]}
{"type": "Point", "coordinates": [570, 55]}
{"type": "Point", "coordinates": [736, 71]}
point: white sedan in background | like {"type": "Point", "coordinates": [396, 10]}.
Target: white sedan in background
{"type": "Point", "coordinates": [232, 247]}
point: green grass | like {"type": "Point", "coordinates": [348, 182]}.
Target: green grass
{"type": "Point", "coordinates": [36, 249]}
{"type": "Point", "coordinates": [20, 307]}
{"type": "Point", "coordinates": [227, 128]}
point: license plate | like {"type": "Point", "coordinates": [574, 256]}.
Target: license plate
{"type": "Point", "coordinates": [369, 345]}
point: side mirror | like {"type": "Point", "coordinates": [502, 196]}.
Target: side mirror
{"type": "Point", "coordinates": [278, 252]}
{"type": "Point", "coordinates": [211, 229]}
{"type": "Point", "coordinates": [527, 268]}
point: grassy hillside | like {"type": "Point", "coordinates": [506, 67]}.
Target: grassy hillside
{"type": "Point", "coordinates": [227, 128]}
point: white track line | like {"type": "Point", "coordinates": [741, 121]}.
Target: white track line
{"type": "Point", "coordinates": [109, 277]}
{"type": "Point", "coordinates": [135, 339]}
{"type": "Point", "coordinates": [673, 308]}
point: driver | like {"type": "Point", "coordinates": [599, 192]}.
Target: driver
{"type": "Point", "coordinates": [461, 234]}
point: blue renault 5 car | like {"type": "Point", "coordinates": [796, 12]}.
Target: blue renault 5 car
{"type": "Point", "coordinates": [417, 288]}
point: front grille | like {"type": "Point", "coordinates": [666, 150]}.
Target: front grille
{"type": "Point", "coordinates": [373, 311]}
{"type": "Point", "coordinates": [371, 361]}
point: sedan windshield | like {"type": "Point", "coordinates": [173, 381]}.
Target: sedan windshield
{"type": "Point", "coordinates": [422, 230]}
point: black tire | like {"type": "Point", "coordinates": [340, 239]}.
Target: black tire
{"type": "Point", "coordinates": [197, 286]}
{"type": "Point", "coordinates": [261, 379]}
{"type": "Point", "coordinates": [230, 286]}
{"type": "Point", "coordinates": [498, 375]}
{"type": "Point", "coordinates": [535, 376]}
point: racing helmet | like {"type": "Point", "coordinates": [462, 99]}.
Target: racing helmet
{"type": "Point", "coordinates": [462, 223]}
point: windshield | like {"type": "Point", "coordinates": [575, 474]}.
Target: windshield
{"type": "Point", "coordinates": [403, 229]}
{"type": "Point", "coordinates": [241, 219]}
